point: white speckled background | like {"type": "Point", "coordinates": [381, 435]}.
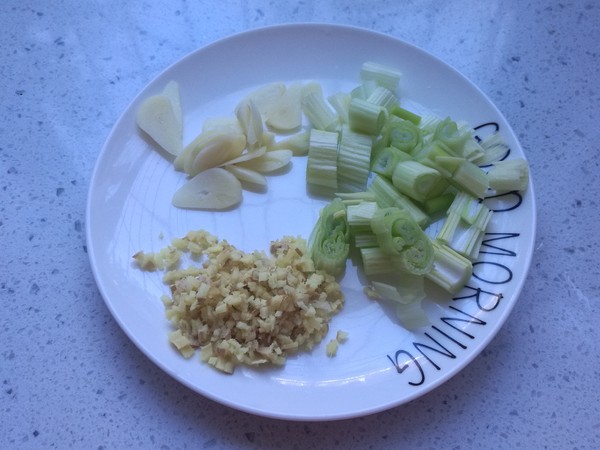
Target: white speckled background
{"type": "Point", "coordinates": [69, 376]}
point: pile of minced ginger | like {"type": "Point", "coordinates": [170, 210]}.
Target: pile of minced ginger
{"type": "Point", "coordinates": [243, 308]}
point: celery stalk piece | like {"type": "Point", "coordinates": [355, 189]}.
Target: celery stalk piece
{"type": "Point", "coordinates": [382, 96]}
{"type": "Point", "coordinates": [383, 75]}
{"type": "Point", "coordinates": [354, 198]}
{"type": "Point", "coordinates": [451, 271]}
{"type": "Point", "coordinates": [403, 135]}
{"type": "Point", "coordinates": [365, 117]}
{"type": "Point", "coordinates": [429, 123]}
{"type": "Point", "coordinates": [448, 132]}
{"type": "Point", "coordinates": [376, 262]}
{"type": "Point", "coordinates": [354, 160]}
{"type": "Point", "coordinates": [449, 228]}
{"type": "Point", "coordinates": [406, 115]}
{"type": "Point", "coordinates": [415, 179]}
{"type": "Point", "coordinates": [428, 153]}
{"type": "Point", "coordinates": [438, 204]}
{"type": "Point", "coordinates": [318, 112]}
{"type": "Point", "coordinates": [364, 239]}
{"type": "Point", "coordinates": [386, 195]}
{"type": "Point", "coordinates": [402, 239]}
{"type": "Point", "coordinates": [321, 166]}
{"type": "Point", "coordinates": [509, 175]}
{"type": "Point", "coordinates": [494, 148]}
{"type": "Point", "coordinates": [329, 241]}
{"type": "Point", "coordinates": [408, 289]}
{"type": "Point", "coordinates": [467, 207]}
{"type": "Point", "coordinates": [364, 90]}
{"type": "Point", "coordinates": [412, 315]}
{"type": "Point", "coordinates": [340, 102]}
{"type": "Point", "coordinates": [386, 159]}
{"type": "Point", "coordinates": [360, 215]}
{"type": "Point", "coordinates": [473, 151]}
{"type": "Point", "coordinates": [470, 178]}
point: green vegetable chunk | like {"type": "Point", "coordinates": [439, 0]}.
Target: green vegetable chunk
{"type": "Point", "coordinates": [400, 237]}
{"type": "Point", "coordinates": [329, 242]}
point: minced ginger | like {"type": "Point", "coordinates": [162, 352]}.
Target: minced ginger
{"type": "Point", "coordinates": [244, 308]}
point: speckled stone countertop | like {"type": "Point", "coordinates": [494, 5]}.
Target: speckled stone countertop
{"type": "Point", "coordinates": [71, 378]}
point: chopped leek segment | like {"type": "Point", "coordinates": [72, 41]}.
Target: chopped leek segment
{"type": "Point", "coordinates": [382, 74]}
{"type": "Point", "coordinates": [320, 115]}
{"type": "Point", "coordinates": [340, 102]}
{"type": "Point", "coordinates": [453, 135]}
{"type": "Point", "coordinates": [321, 166]}
{"type": "Point", "coordinates": [451, 271]}
{"type": "Point", "coordinates": [376, 262]}
{"type": "Point", "coordinates": [386, 159]}
{"type": "Point", "coordinates": [360, 215]}
{"type": "Point", "coordinates": [494, 147]}
{"type": "Point", "coordinates": [438, 204]}
{"type": "Point", "coordinates": [382, 96]}
{"type": "Point", "coordinates": [415, 180]}
{"type": "Point", "coordinates": [400, 237]}
{"type": "Point", "coordinates": [404, 135]}
{"type": "Point", "coordinates": [365, 117]}
{"type": "Point", "coordinates": [354, 160]}
{"type": "Point", "coordinates": [387, 195]}
{"type": "Point", "coordinates": [509, 175]}
{"type": "Point", "coordinates": [406, 115]}
{"type": "Point", "coordinates": [412, 315]}
{"type": "Point", "coordinates": [329, 242]}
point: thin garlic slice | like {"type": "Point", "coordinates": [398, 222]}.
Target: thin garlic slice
{"type": "Point", "coordinates": [158, 119]}
{"type": "Point", "coordinates": [266, 95]}
{"type": "Point", "coordinates": [246, 156]}
{"type": "Point", "coordinates": [212, 189]}
{"type": "Point", "coordinates": [219, 150]}
{"type": "Point", "coordinates": [171, 91]}
{"type": "Point", "coordinates": [285, 114]}
{"type": "Point", "coordinates": [269, 162]}
{"type": "Point", "coordinates": [298, 143]}
{"type": "Point", "coordinates": [246, 175]}
{"type": "Point", "coordinates": [251, 120]}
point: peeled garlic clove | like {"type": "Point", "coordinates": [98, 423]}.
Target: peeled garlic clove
{"type": "Point", "coordinates": [211, 189]}
{"type": "Point", "coordinates": [158, 119]}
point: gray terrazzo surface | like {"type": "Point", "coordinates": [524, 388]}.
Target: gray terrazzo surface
{"type": "Point", "coordinates": [72, 379]}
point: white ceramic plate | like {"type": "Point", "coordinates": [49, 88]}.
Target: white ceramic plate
{"type": "Point", "coordinates": [381, 365]}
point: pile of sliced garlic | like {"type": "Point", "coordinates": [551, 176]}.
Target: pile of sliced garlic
{"type": "Point", "coordinates": [233, 152]}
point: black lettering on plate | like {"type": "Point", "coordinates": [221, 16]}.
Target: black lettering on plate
{"type": "Point", "coordinates": [493, 298]}
{"type": "Point", "coordinates": [496, 250]}
{"type": "Point", "coordinates": [479, 275]}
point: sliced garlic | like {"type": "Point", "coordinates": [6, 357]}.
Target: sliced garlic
{"type": "Point", "coordinates": [213, 189]}
{"type": "Point", "coordinates": [158, 119]}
